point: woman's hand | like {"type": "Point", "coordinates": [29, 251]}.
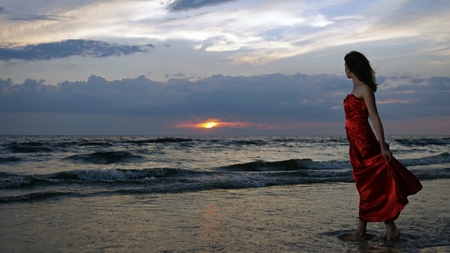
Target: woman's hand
{"type": "Point", "coordinates": [387, 154]}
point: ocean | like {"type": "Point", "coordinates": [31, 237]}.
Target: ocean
{"type": "Point", "coordinates": [36, 167]}
{"type": "Point", "coordinates": [35, 170]}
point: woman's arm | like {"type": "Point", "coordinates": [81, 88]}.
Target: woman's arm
{"type": "Point", "coordinates": [369, 99]}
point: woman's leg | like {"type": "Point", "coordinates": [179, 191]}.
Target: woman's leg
{"type": "Point", "coordinates": [393, 233]}
{"type": "Point", "coordinates": [360, 233]}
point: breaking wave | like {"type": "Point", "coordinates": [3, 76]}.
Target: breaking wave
{"type": "Point", "coordinates": [105, 157]}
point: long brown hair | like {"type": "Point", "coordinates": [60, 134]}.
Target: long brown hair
{"type": "Point", "coordinates": [358, 64]}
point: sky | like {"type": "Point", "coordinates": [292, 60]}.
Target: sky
{"type": "Point", "coordinates": [254, 67]}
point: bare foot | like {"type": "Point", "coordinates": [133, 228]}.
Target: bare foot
{"type": "Point", "coordinates": [393, 234]}
{"type": "Point", "coordinates": [358, 235]}
{"type": "Point", "coordinates": [354, 237]}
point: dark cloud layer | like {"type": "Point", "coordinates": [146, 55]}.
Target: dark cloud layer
{"type": "Point", "coordinates": [184, 5]}
{"type": "Point", "coordinates": [268, 98]}
{"type": "Point", "coordinates": [258, 98]}
{"type": "Point", "coordinates": [34, 17]}
{"type": "Point", "coordinates": [67, 48]}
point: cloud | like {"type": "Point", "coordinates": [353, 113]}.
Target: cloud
{"type": "Point", "coordinates": [409, 96]}
{"type": "Point", "coordinates": [258, 101]}
{"type": "Point", "coordinates": [34, 17]}
{"type": "Point", "coordinates": [179, 75]}
{"type": "Point", "coordinates": [184, 5]}
{"type": "Point", "coordinates": [397, 101]}
{"type": "Point", "coordinates": [224, 97]}
{"type": "Point", "coordinates": [253, 32]}
{"type": "Point", "coordinates": [275, 103]}
{"type": "Point", "coordinates": [67, 48]}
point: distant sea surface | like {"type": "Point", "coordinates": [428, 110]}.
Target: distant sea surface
{"type": "Point", "coordinates": [38, 167]}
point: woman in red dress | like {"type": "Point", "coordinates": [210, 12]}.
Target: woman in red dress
{"type": "Point", "coordinates": [382, 182]}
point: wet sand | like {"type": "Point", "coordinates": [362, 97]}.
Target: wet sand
{"type": "Point", "coordinates": [297, 218]}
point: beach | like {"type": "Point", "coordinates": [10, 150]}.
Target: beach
{"type": "Point", "coordinates": [289, 218]}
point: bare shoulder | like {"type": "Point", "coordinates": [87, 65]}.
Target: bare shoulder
{"type": "Point", "coordinates": [367, 92]}
{"type": "Point", "coordinates": [363, 91]}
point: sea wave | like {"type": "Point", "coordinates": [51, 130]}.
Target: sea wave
{"type": "Point", "coordinates": [37, 167]}
{"type": "Point", "coordinates": [9, 159]}
{"type": "Point", "coordinates": [430, 160]}
{"type": "Point", "coordinates": [92, 176]}
{"type": "Point", "coordinates": [117, 175]}
{"type": "Point", "coordinates": [34, 196]}
{"type": "Point", "coordinates": [298, 164]}
{"type": "Point", "coordinates": [105, 157]}
{"type": "Point", "coordinates": [159, 140]}
{"type": "Point", "coordinates": [425, 141]}
{"type": "Point", "coordinates": [292, 164]}
{"type": "Point", "coordinates": [28, 147]}
{"type": "Point", "coordinates": [94, 143]}
{"type": "Point", "coordinates": [67, 143]}
{"type": "Point", "coordinates": [8, 180]}
{"type": "Point", "coordinates": [93, 182]}
{"type": "Point", "coordinates": [171, 180]}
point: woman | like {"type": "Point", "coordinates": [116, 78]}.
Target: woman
{"type": "Point", "coordinates": [382, 182]}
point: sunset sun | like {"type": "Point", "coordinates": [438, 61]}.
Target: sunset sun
{"type": "Point", "coordinates": [209, 124]}
{"type": "Point", "coordinates": [216, 123]}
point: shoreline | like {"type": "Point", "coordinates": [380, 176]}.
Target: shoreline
{"type": "Point", "coordinates": [294, 218]}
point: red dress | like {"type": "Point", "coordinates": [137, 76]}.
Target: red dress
{"type": "Point", "coordinates": [383, 187]}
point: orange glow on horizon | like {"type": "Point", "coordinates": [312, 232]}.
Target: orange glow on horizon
{"type": "Point", "coordinates": [214, 123]}
{"type": "Point", "coordinates": [209, 124]}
